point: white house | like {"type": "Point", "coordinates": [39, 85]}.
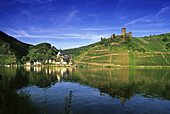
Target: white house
{"type": "Point", "coordinates": [46, 61]}
{"type": "Point", "coordinates": [63, 61]}
{"type": "Point", "coordinates": [58, 55]}
{"type": "Point", "coordinates": [28, 63]}
{"type": "Point", "coordinates": [37, 63]}
{"type": "Point", "coordinates": [50, 61]}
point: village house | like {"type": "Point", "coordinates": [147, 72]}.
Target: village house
{"type": "Point", "coordinates": [62, 59]}
{"type": "Point", "coordinates": [58, 61]}
{"type": "Point", "coordinates": [29, 63]}
{"type": "Point", "coordinates": [37, 62]}
{"type": "Point", "coordinates": [59, 54]}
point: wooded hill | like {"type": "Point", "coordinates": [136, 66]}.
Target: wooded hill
{"type": "Point", "coordinates": [13, 51]}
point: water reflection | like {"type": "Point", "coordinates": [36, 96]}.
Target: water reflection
{"type": "Point", "coordinates": [121, 84]}
{"type": "Point", "coordinates": [0, 77]}
{"type": "Point", "coordinates": [125, 83]}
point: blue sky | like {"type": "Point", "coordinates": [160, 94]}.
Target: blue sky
{"type": "Point", "coordinates": [73, 23]}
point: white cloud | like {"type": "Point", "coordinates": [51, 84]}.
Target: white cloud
{"type": "Point", "coordinates": [24, 34]}
{"type": "Point", "coordinates": [150, 18]}
{"type": "Point", "coordinates": [162, 10]}
{"type": "Point", "coordinates": [150, 31]}
{"type": "Point", "coordinates": [71, 15]}
{"type": "Point", "coordinates": [96, 29]}
{"type": "Point", "coordinates": [142, 19]}
{"type": "Point", "coordinates": [53, 31]}
{"type": "Point", "coordinates": [18, 33]}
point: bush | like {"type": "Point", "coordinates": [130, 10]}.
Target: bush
{"type": "Point", "coordinates": [165, 39]}
{"type": "Point", "coordinates": [168, 45]}
{"type": "Point", "coordinates": [24, 59]}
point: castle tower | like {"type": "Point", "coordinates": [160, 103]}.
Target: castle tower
{"type": "Point", "coordinates": [113, 35]}
{"type": "Point", "coordinates": [130, 34]}
{"type": "Point", "coordinates": [123, 31]}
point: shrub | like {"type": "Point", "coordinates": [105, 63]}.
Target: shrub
{"type": "Point", "coordinates": [165, 39]}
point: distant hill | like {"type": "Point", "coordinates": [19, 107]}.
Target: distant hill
{"type": "Point", "coordinates": [13, 51]}
{"type": "Point", "coordinates": [144, 51]}
{"type": "Point", "coordinates": [42, 51]}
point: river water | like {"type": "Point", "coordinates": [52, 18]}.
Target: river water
{"type": "Point", "coordinates": [91, 90]}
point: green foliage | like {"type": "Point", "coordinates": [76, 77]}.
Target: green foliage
{"type": "Point", "coordinates": [68, 103]}
{"type": "Point", "coordinates": [24, 59]}
{"type": "Point", "coordinates": [80, 64]}
{"type": "Point", "coordinates": [131, 59]}
{"type": "Point", "coordinates": [6, 46]}
{"type": "Point", "coordinates": [168, 45]}
{"type": "Point", "coordinates": [42, 51]}
{"type": "Point", "coordinates": [97, 59]}
{"type": "Point", "coordinates": [150, 59]}
{"type": "Point", "coordinates": [167, 56]}
{"type": "Point", "coordinates": [10, 47]}
{"type": "Point", "coordinates": [127, 39]}
{"type": "Point", "coordinates": [13, 103]}
{"type": "Point", "coordinates": [8, 59]}
{"type": "Point", "coordinates": [165, 39]}
{"type": "Point", "coordinates": [41, 46]}
{"type": "Point", "coordinates": [78, 51]}
{"type": "Point", "coordinates": [97, 53]}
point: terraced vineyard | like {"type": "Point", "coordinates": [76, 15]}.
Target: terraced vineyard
{"type": "Point", "coordinates": [146, 51]}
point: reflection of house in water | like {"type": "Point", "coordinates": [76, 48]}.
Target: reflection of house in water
{"type": "Point", "coordinates": [28, 68]}
{"type": "Point", "coordinates": [58, 78]}
{"type": "Point", "coordinates": [28, 63]}
{"type": "Point", "coordinates": [56, 72]}
{"type": "Point", "coordinates": [37, 69]}
{"type": "Point", "coordinates": [59, 72]}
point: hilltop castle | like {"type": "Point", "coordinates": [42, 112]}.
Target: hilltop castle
{"type": "Point", "coordinates": [119, 38]}
{"type": "Point", "coordinates": [124, 34]}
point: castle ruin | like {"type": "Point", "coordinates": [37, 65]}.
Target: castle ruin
{"type": "Point", "coordinates": [120, 38]}
{"type": "Point", "coordinates": [126, 34]}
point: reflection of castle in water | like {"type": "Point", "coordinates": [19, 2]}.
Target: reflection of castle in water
{"type": "Point", "coordinates": [57, 72]}
{"type": "Point", "coordinates": [113, 82]}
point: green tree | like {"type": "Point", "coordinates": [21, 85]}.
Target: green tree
{"type": "Point", "coordinates": [168, 46]}
{"type": "Point", "coordinates": [165, 39]}
{"type": "Point", "coordinates": [24, 59]}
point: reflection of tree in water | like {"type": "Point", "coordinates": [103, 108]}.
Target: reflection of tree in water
{"type": "Point", "coordinates": [13, 78]}
{"type": "Point", "coordinates": [68, 101]}
{"type": "Point", "coordinates": [125, 83]}
{"type": "Point", "coordinates": [16, 78]}
{"type": "Point", "coordinates": [47, 76]}
{"type": "Point", "coordinates": [12, 102]}
{"type": "Point", "coordinates": [118, 83]}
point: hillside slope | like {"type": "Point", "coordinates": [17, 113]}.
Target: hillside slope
{"type": "Point", "coordinates": [11, 49]}
{"type": "Point", "coordinates": [42, 51]}
{"type": "Point", "coordinates": [146, 51]}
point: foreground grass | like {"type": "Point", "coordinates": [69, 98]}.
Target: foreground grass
{"type": "Point", "coordinates": [12, 102]}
